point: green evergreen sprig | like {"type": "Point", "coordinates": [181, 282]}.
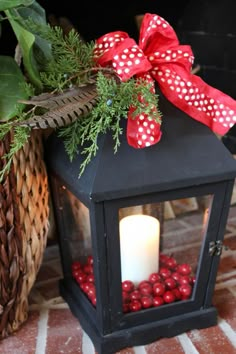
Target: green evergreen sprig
{"type": "Point", "coordinates": [20, 138]}
{"type": "Point", "coordinates": [114, 99]}
{"type": "Point", "coordinates": [70, 64]}
{"type": "Point", "coordinates": [72, 59]}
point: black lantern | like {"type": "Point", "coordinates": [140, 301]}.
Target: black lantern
{"type": "Point", "coordinates": [133, 272]}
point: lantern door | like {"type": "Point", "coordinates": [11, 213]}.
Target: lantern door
{"type": "Point", "coordinates": [163, 251]}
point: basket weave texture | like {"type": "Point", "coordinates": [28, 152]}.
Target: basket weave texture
{"type": "Point", "coordinates": [24, 225]}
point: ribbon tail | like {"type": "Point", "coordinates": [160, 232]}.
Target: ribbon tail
{"type": "Point", "coordinates": [199, 100]}
{"type": "Point", "coordinates": [142, 131]}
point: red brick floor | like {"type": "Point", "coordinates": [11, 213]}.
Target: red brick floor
{"type": "Point", "coordinates": [52, 329]}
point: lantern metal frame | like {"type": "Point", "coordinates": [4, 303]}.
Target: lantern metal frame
{"type": "Point", "coordinates": [190, 161]}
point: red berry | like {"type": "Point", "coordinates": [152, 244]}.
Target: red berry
{"type": "Point", "coordinates": [184, 269]}
{"type": "Point", "coordinates": [90, 260]}
{"type": "Point", "coordinates": [94, 300]}
{"type": "Point", "coordinates": [146, 289]}
{"type": "Point", "coordinates": [90, 278]}
{"type": "Point", "coordinates": [91, 292]}
{"type": "Point", "coordinates": [165, 272]}
{"type": "Point", "coordinates": [158, 301]}
{"type": "Point", "coordinates": [125, 307]}
{"type": "Point", "coordinates": [85, 286]}
{"type": "Point", "coordinates": [81, 277]}
{"type": "Point", "coordinates": [146, 301]}
{"type": "Point", "coordinates": [125, 296]}
{"type": "Point", "coordinates": [177, 294]}
{"type": "Point", "coordinates": [176, 276]}
{"type": "Point", "coordinates": [75, 265]}
{"type": "Point", "coordinates": [170, 283]}
{"type": "Point", "coordinates": [185, 279]}
{"type": "Point", "coordinates": [171, 263]}
{"type": "Point", "coordinates": [143, 283]}
{"type": "Point", "coordinates": [158, 289]}
{"type": "Point", "coordinates": [185, 291]}
{"type": "Point", "coordinates": [154, 277]}
{"type": "Point", "coordinates": [127, 285]}
{"type": "Point", "coordinates": [169, 296]}
{"type": "Point", "coordinates": [135, 305]}
{"type": "Point", "coordinates": [163, 258]}
{"type": "Point", "coordinates": [135, 295]}
{"type": "Point", "coordinates": [76, 272]}
{"type": "Point", "coordinates": [88, 269]}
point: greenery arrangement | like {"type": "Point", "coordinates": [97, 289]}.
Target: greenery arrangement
{"type": "Point", "coordinates": [58, 85]}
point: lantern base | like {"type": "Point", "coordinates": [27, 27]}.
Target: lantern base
{"type": "Point", "coordinates": [141, 334]}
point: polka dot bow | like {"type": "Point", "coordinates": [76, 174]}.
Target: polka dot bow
{"type": "Point", "coordinates": [159, 57]}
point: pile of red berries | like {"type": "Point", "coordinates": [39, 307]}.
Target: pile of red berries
{"type": "Point", "coordinates": [173, 282]}
{"type": "Point", "coordinates": [83, 274]}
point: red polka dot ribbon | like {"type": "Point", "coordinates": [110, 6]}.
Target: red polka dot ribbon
{"type": "Point", "coordinates": [159, 57]}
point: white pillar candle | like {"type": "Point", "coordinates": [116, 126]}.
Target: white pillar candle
{"type": "Point", "coordinates": [139, 247]}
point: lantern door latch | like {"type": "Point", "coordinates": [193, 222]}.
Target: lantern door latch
{"type": "Point", "coordinates": [215, 248]}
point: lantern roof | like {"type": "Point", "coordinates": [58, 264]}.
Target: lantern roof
{"type": "Point", "coordinates": [188, 154]}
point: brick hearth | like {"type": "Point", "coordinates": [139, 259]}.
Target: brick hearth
{"type": "Point", "coordinates": [52, 329]}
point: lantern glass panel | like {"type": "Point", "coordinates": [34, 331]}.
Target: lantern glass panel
{"type": "Point", "coordinates": [76, 220]}
{"type": "Point", "coordinates": [160, 248]}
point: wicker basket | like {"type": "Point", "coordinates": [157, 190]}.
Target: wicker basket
{"type": "Point", "coordinates": [24, 224]}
